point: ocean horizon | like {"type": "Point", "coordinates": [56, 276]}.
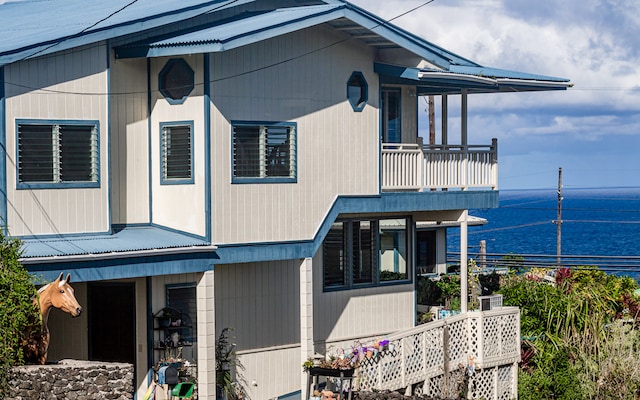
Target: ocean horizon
{"type": "Point", "coordinates": [600, 222]}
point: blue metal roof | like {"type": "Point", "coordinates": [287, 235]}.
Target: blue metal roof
{"type": "Point", "coordinates": [124, 240]}
{"type": "Point", "coordinates": [40, 27]}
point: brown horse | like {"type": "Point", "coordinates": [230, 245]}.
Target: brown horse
{"type": "Point", "coordinates": [58, 294]}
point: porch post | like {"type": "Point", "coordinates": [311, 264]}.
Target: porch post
{"type": "Point", "coordinates": [445, 116]}
{"type": "Point", "coordinates": [206, 343]}
{"type": "Point", "coordinates": [464, 290]}
{"type": "Point", "coordinates": [306, 319]}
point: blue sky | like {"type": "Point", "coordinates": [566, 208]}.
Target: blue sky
{"type": "Point", "coordinates": [591, 130]}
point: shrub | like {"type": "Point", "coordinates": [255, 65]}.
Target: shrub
{"type": "Point", "coordinates": [18, 315]}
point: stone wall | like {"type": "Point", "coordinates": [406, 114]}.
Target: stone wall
{"type": "Point", "coordinates": [72, 380]}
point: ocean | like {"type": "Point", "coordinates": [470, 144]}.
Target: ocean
{"type": "Point", "coordinates": [596, 222]}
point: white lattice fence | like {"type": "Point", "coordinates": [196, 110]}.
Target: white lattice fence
{"type": "Point", "coordinates": [488, 341]}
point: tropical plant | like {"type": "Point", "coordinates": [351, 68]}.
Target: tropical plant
{"type": "Point", "coordinates": [18, 315]}
{"type": "Point", "coordinates": [228, 367]}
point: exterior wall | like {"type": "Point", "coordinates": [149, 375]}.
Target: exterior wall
{"type": "Point", "coordinates": [179, 206]}
{"type": "Point", "coordinates": [344, 315]}
{"type": "Point", "coordinates": [129, 141]}
{"type": "Point", "coordinates": [337, 148]}
{"type": "Point", "coordinates": [69, 338]}
{"type": "Point", "coordinates": [261, 302]}
{"type": "Point", "coordinates": [47, 88]}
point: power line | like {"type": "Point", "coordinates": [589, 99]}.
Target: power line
{"type": "Point", "coordinates": [54, 91]}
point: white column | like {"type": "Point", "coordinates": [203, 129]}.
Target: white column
{"type": "Point", "coordinates": [306, 318]}
{"type": "Point", "coordinates": [206, 336]}
{"type": "Point", "coordinates": [464, 281]}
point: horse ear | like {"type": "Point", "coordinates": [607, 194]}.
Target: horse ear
{"type": "Point", "coordinates": [68, 278]}
{"type": "Point", "coordinates": [60, 277]}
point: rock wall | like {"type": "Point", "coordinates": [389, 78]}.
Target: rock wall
{"type": "Point", "coordinates": [72, 380]}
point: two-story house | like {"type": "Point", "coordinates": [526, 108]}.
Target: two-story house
{"type": "Point", "coordinates": [254, 164]}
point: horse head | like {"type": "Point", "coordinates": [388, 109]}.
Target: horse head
{"type": "Point", "coordinates": [63, 297]}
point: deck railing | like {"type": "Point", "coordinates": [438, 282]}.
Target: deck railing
{"type": "Point", "coordinates": [410, 167]}
{"type": "Point", "coordinates": [482, 344]}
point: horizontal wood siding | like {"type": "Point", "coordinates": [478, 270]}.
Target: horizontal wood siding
{"type": "Point", "coordinates": [299, 77]}
{"type": "Point", "coordinates": [359, 313]}
{"type": "Point", "coordinates": [129, 142]}
{"type": "Point", "coordinates": [70, 85]}
{"type": "Point", "coordinates": [179, 206]}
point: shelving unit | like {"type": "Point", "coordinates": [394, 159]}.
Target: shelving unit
{"type": "Point", "coordinates": [171, 330]}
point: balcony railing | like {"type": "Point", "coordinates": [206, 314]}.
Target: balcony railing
{"type": "Point", "coordinates": [485, 345]}
{"type": "Point", "coordinates": [433, 167]}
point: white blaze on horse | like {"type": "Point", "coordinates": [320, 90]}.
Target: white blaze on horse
{"type": "Point", "coordinates": [58, 294]}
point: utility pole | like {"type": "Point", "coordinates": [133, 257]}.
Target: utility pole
{"type": "Point", "coordinates": [558, 221]}
{"type": "Point", "coordinates": [432, 121]}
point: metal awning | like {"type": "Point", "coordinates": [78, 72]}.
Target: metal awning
{"type": "Point", "coordinates": [474, 79]}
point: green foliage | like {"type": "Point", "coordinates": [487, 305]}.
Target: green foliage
{"type": "Point", "coordinates": [581, 348]}
{"type": "Point", "coordinates": [228, 367]}
{"type": "Point", "coordinates": [18, 315]}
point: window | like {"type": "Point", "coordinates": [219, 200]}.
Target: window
{"type": "Point", "coordinates": [176, 143]}
{"type": "Point", "coordinates": [52, 154]}
{"type": "Point", "coordinates": [176, 80]}
{"type": "Point", "coordinates": [182, 297]}
{"type": "Point", "coordinates": [393, 249]}
{"type": "Point", "coordinates": [366, 252]}
{"type": "Point", "coordinates": [391, 116]}
{"type": "Point", "coordinates": [357, 91]}
{"type": "Point", "coordinates": [264, 152]}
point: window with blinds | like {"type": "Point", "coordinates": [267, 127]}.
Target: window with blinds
{"type": "Point", "coordinates": [177, 148]}
{"type": "Point", "coordinates": [264, 152]}
{"type": "Point", "coordinates": [57, 154]}
{"type": "Point", "coordinates": [182, 297]}
{"type": "Point", "coordinates": [366, 252]}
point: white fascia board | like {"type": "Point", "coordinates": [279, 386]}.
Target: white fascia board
{"type": "Point", "coordinates": [458, 77]}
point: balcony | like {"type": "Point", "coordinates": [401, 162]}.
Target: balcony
{"type": "Point", "coordinates": [408, 167]}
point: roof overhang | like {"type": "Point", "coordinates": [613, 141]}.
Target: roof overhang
{"type": "Point", "coordinates": [473, 79]}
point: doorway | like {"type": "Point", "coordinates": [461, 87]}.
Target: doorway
{"type": "Point", "coordinates": [111, 315]}
{"type": "Point", "coordinates": [425, 252]}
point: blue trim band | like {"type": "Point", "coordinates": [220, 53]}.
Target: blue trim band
{"type": "Point", "coordinates": [207, 147]}
{"type": "Point", "coordinates": [150, 166]}
{"type": "Point", "coordinates": [3, 155]}
{"type": "Point", "coordinates": [122, 268]}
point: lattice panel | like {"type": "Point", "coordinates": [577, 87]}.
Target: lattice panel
{"type": "Point", "coordinates": [481, 384]}
{"type": "Point", "coordinates": [434, 354]}
{"type": "Point", "coordinates": [474, 339]}
{"type": "Point", "coordinates": [433, 387]}
{"type": "Point", "coordinates": [458, 343]}
{"type": "Point", "coordinates": [505, 384]}
{"type": "Point", "coordinates": [510, 339]}
{"type": "Point", "coordinates": [414, 359]}
{"type": "Point", "coordinates": [491, 337]}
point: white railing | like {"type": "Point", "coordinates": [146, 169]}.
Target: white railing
{"type": "Point", "coordinates": [409, 167]}
{"type": "Point", "coordinates": [485, 342]}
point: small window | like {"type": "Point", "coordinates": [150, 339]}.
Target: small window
{"type": "Point", "coordinates": [52, 154]}
{"type": "Point", "coordinates": [182, 297]}
{"type": "Point", "coordinates": [177, 152]}
{"type": "Point", "coordinates": [393, 249]}
{"type": "Point", "coordinates": [357, 91]}
{"type": "Point", "coordinates": [176, 80]}
{"type": "Point", "coordinates": [366, 252]}
{"type": "Point", "coordinates": [264, 152]}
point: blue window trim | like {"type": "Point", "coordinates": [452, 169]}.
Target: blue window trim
{"type": "Point", "coordinates": [162, 73]}
{"type": "Point", "coordinates": [294, 156]}
{"type": "Point", "coordinates": [163, 180]}
{"type": "Point", "coordinates": [410, 229]}
{"type": "Point", "coordinates": [57, 185]}
{"type": "Point", "coordinates": [359, 103]}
